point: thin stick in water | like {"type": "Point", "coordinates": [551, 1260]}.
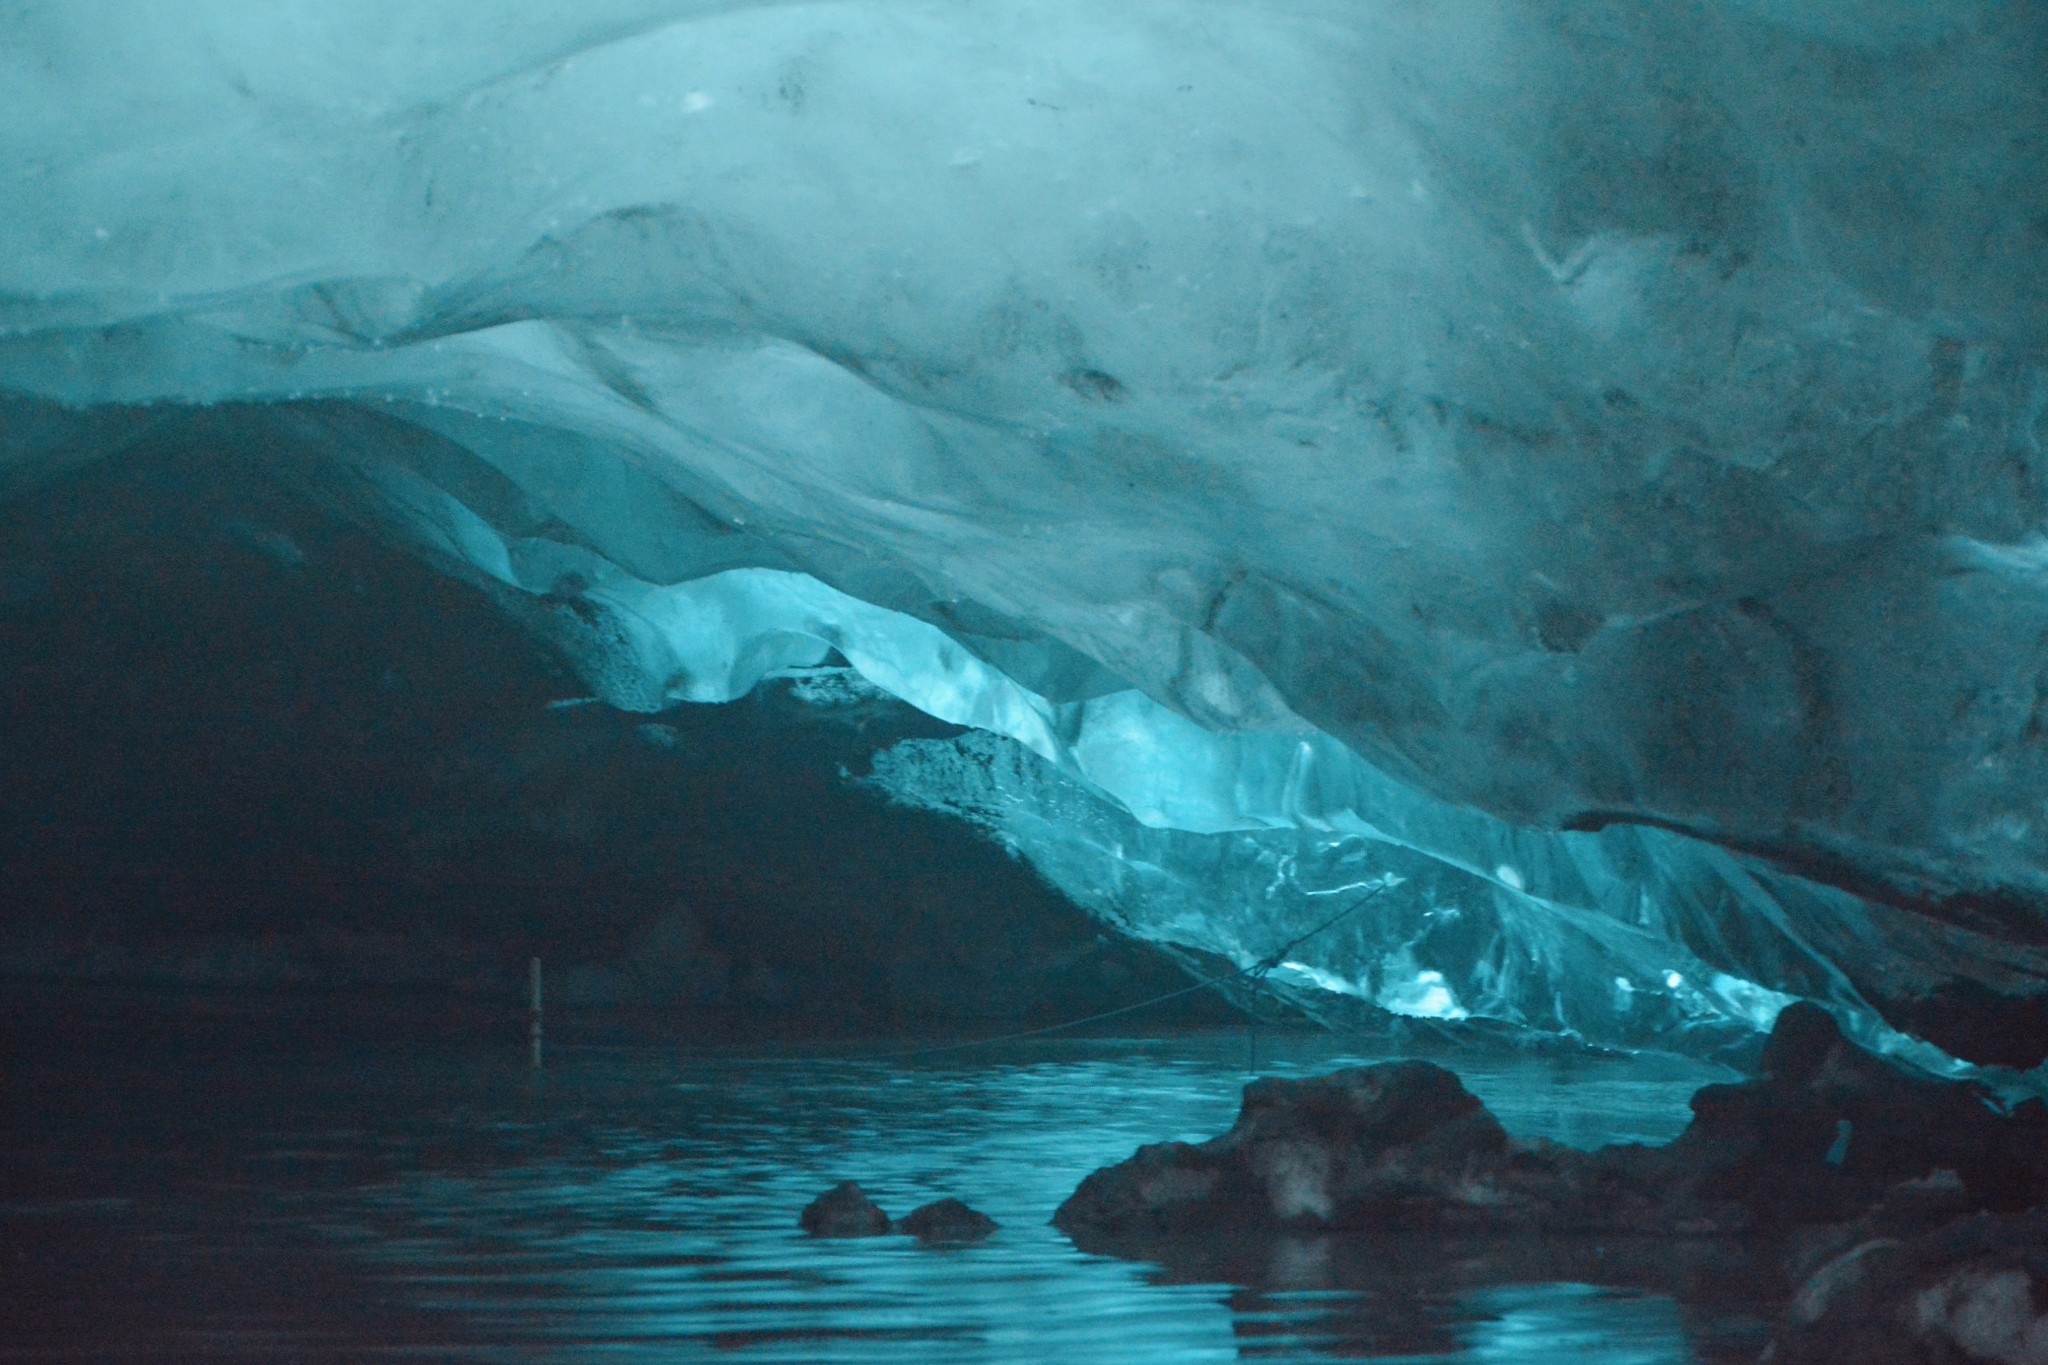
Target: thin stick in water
{"type": "Point", "coordinates": [534, 1010]}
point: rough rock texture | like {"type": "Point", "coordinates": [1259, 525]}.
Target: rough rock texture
{"type": "Point", "coordinates": [1820, 1138]}
{"type": "Point", "coordinates": [1364, 1146]}
{"type": "Point", "coordinates": [844, 1211]}
{"type": "Point", "coordinates": [1831, 1128]}
{"type": "Point", "coordinates": [1973, 1290]}
{"type": "Point", "coordinates": [947, 1220]}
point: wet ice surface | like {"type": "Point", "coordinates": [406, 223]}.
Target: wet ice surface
{"type": "Point", "coordinates": [642, 1206]}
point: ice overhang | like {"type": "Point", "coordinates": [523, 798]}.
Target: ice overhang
{"type": "Point", "coordinates": [1597, 452]}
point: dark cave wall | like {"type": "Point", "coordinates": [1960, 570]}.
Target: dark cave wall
{"type": "Point", "coordinates": [252, 746]}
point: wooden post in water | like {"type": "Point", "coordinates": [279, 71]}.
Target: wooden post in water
{"type": "Point", "coordinates": [534, 1012]}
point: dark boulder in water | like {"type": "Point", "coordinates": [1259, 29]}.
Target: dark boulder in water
{"type": "Point", "coordinates": [947, 1220]}
{"type": "Point", "coordinates": [844, 1211]}
{"type": "Point", "coordinates": [1397, 1142]}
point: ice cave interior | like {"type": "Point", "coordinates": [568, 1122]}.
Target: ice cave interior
{"type": "Point", "coordinates": [1579, 465]}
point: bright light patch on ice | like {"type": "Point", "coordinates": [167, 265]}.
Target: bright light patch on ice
{"type": "Point", "coordinates": [1759, 1004]}
{"type": "Point", "coordinates": [1424, 996]}
{"type": "Point", "coordinates": [1324, 980]}
{"type": "Point", "coordinates": [1404, 989]}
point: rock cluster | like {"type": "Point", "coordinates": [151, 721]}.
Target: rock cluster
{"type": "Point", "coordinates": [846, 1211]}
{"type": "Point", "coordinates": [1898, 1203]}
{"type": "Point", "coordinates": [1818, 1139]}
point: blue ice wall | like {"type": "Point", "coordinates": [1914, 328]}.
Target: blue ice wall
{"type": "Point", "coordinates": [1444, 425]}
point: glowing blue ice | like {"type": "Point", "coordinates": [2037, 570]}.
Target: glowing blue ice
{"type": "Point", "coordinates": [1385, 426]}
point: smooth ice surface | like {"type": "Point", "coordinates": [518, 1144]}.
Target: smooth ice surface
{"type": "Point", "coordinates": [1437, 424]}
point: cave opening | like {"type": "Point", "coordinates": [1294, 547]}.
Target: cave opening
{"type": "Point", "coordinates": [262, 752]}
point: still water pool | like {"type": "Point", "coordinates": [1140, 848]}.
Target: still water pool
{"type": "Point", "coordinates": [623, 1206]}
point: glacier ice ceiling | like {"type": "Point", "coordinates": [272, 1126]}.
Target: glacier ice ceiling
{"type": "Point", "coordinates": [1583, 459]}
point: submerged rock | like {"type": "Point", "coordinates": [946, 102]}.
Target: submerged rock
{"type": "Point", "coordinates": [1818, 1140]}
{"type": "Point", "coordinates": [947, 1220]}
{"type": "Point", "coordinates": [844, 1211]}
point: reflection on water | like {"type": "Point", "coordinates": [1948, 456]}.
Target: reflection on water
{"type": "Point", "coordinates": [630, 1206]}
